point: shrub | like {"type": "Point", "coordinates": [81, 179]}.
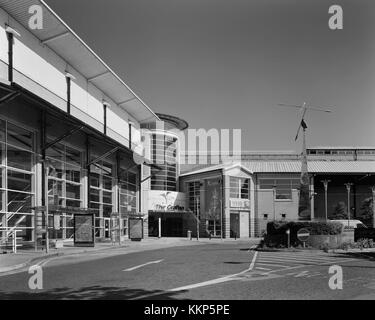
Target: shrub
{"type": "Point", "coordinates": [324, 247]}
{"type": "Point", "coordinates": [315, 227]}
{"type": "Point", "coordinates": [365, 243]}
{"type": "Point", "coordinates": [276, 231]}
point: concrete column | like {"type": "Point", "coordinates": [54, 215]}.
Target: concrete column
{"type": "Point", "coordinates": [312, 197]}
{"type": "Point", "coordinates": [252, 208]}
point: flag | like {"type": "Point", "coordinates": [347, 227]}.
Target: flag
{"type": "Point", "coordinates": [303, 124]}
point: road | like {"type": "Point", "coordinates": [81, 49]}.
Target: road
{"type": "Point", "coordinates": [226, 270]}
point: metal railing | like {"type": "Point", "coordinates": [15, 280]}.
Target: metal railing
{"type": "Point", "coordinates": [10, 239]}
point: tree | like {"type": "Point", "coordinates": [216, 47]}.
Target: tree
{"type": "Point", "coordinates": [367, 210]}
{"type": "Point", "coordinates": [340, 211]}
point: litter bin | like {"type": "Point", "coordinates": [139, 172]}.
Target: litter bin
{"type": "Point", "coordinates": [189, 235]}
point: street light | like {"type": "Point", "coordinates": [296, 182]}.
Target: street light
{"type": "Point", "coordinates": [325, 183]}
{"type": "Point", "coordinates": [348, 186]}
{"type": "Point", "coordinates": [274, 196]}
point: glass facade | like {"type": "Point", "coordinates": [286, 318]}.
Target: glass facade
{"type": "Point", "coordinates": [128, 196]}
{"type": "Point", "coordinates": [17, 178]}
{"type": "Point", "coordinates": [64, 186]}
{"type": "Point", "coordinates": [239, 188]}
{"type": "Point", "coordinates": [213, 206]}
{"type": "Point", "coordinates": [101, 195]}
{"type": "Point", "coordinates": [21, 185]}
{"type": "Point", "coordinates": [164, 155]}
{"type": "Point", "coordinates": [194, 197]}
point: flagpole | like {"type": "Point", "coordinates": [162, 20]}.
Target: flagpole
{"type": "Point", "coordinates": [304, 195]}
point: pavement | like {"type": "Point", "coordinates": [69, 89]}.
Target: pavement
{"type": "Point", "coordinates": [11, 262]}
{"type": "Point", "coordinates": [225, 270]}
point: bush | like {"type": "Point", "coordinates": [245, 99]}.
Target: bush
{"type": "Point", "coordinates": [324, 247]}
{"type": "Point", "coordinates": [276, 231]}
{"type": "Point", "coordinates": [315, 227]}
{"type": "Point", "coordinates": [365, 243]}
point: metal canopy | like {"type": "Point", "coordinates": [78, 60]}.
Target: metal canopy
{"type": "Point", "coordinates": [57, 35]}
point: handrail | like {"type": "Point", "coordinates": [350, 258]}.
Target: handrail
{"type": "Point", "coordinates": [11, 232]}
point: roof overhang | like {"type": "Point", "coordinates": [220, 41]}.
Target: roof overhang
{"type": "Point", "coordinates": [6, 88]}
{"type": "Point", "coordinates": [60, 38]}
{"type": "Point", "coordinates": [221, 167]}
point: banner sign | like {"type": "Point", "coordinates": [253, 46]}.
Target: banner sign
{"type": "Point", "coordinates": [56, 221]}
{"type": "Point", "coordinates": [239, 203]}
{"type": "Point", "coordinates": [213, 199]}
{"type": "Point", "coordinates": [84, 227]}
{"type": "Point", "coordinates": [135, 228]}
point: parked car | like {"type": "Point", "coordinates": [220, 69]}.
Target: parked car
{"type": "Point", "coordinates": [350, 224]}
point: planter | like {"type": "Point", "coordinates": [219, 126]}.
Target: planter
{"type": "Point", "coordinates": [333, 241]}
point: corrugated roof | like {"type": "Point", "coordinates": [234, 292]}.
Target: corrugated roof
{"type": "Point", "coordinates": [57, 35]}
{"type": "Point", "coordinates": [342, 148]}
{"type": "Point", "coordinates": [294, 167]}
{"type": "Point", "coordinates": [313, 166]}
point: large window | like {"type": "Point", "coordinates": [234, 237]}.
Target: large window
{"type": "Point", "coordinates": [64, 185]}
{"type": "Point", "coordinates": [17, 178]}
{"type": "Point", "coordinates": [101, 193]}
{"type": "Point", "coordinates": [283, 187]}
{"type": "Point", "coordinates": [164, 155]}
{"type": "Point", "coordinates": [128, 196]}
{"type": "Point", "coordinates": [239, 188]}
{"type": "Point", "coordinates": [194, 197]}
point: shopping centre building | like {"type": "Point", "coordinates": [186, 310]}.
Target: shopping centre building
{"type": "Point", "coordinates": [265, 186]}
{"type": "Point", "coordinates": [70, 132]}
{"type": "Point", "coordinates": [74, 136]}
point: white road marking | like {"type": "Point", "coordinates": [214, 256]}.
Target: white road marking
{"type": "Point", "coordinates": [270, 263]}
{"type": "Point", "coordinates": [299, 259]}
{"type": "Point", "coordinates": [304, 266]}
{"type": "Point", "coordinates": [295, 257]}
{"type": "Point", "coordinates": [260, 268]}
{"type": "Point", "coordinates": [269, 274]}
{"type": "Point", "coordinates": [142, 265]}
{"type": "Point", "coordinates": [218, 280]}
{"type": "Point", "coordinates": [291, 261]}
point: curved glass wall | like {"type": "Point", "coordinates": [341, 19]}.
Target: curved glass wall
{"type": "Point", "coordinates": [164, 155]}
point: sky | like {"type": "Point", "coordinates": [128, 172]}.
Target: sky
{"type": "Point", "coordinates": [228, 63]}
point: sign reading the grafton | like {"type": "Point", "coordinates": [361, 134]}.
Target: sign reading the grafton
{"type": "Point", "coordinates": [239, 203]}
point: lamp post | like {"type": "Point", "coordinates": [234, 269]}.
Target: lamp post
{"type": "Point", "coordinates": [197, 218]}
{"type": "Point", "coordinates": [325, 183]}
{"type": "Point", "coordinates": [348, 186]}
{"type": "Point", "coordinates": [288, 235]}
{"type": "Point", "coordinates": [273, 200]}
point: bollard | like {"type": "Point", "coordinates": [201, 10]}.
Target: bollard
{"type": "Point", "coordinates": [189, 235]}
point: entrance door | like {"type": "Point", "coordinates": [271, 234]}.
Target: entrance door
{"type": "Point", "coordinates": [107, 228]}
{"type": "Point", "coordinates": [234, 225]}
